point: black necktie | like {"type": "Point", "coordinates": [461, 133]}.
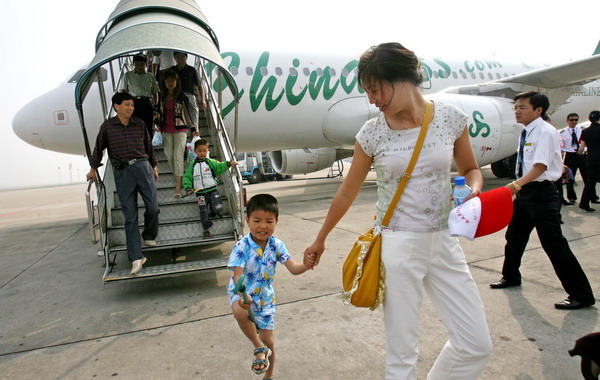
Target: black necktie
{"type": "Point", "coordinates": [520, 156]}
{"type": "Point", "coordinates": [575, 141]}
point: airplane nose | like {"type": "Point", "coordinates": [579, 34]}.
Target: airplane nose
{"type": "Point", "coordinates": [24, 125]}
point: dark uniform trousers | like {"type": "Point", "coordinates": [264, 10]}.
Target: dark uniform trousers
{"type": "Point", "coordinates": [537, 205]}
{"type": "Point", "coordinates": [576, 161]}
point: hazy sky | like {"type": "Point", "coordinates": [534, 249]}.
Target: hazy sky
{"type": "Point", "coordinates": [43, 42]}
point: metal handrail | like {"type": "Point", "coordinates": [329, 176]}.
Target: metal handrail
{"type": "Point", "coordinates": [99, 182]}
{"type": "Point", "coordinates": [223, 137]}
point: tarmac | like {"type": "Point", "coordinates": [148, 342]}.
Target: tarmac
{"type": "Point", "coordinates": [58, 321]}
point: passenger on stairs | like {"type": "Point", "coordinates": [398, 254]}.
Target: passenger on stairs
{"type": "Point", "coordinates": [200, 178]}
{"type": "Point", "coordinates": [143, 87]}
{"type": "Point", "coordinates": [173, 121]}
{"type": "Point", "coordinates": [131, 154]}
{"type": "Point", "coordinates": [189, 83]}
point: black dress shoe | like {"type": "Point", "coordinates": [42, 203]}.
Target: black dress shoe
{"type": "Point", "coordinates": [588, 208]}
{"type": "Point", "coordinates": [567, 203]}
{"type": "Point", "coordinates": [503, 284]}
{"type": "Point", "coordinates": [568, 304]}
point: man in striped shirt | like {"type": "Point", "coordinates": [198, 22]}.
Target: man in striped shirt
{"type": "Point", "coordinates": [135, 169]}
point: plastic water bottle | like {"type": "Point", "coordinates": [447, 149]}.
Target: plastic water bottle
{"type": "Point", "coordinates": [460, 191]}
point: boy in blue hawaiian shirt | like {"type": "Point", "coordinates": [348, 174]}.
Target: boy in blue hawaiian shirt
{"type": "Point", "coordinates": [256, 256]}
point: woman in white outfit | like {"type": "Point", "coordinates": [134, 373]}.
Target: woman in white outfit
{"type": "Point", "coordinates": [417, 249]}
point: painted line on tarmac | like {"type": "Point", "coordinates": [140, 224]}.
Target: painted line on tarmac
{"type": "Point", "coordinates": [125, 333]}
{"type": "Point", "coordinates": [44, 256]}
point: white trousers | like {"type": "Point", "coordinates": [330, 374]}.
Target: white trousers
{"type": "Point", "coordinates": [435, 262]}
{"type": "Point", "coordinates": [174, 146]}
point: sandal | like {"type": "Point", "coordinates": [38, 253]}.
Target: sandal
{"type": "Point", "coordinates": [177, 195]}
{"type": "Point", "coordinates": [259, 362]}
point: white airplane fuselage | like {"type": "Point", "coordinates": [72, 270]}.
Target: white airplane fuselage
{"type": "Point", "coordinates": [296, 102]}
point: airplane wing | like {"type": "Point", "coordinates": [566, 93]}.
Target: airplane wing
{"type": "Point", "coordinates": [569, 74]}
{"type": "Point", "coordinates": [557, 82]}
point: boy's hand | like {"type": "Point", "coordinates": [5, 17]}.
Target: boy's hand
{"type": "Point", "coordinates": [243, 305]}
{"type": "Point", "coordinates": [312, 254]}
{"type": "Point", "coordinates": [233, 163]}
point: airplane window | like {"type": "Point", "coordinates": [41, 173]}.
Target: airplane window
{"type": "Point", "coordinates": [345, 72]}
{"type": "Point", "coordinates": [472, 75]}
{"type": "Point", "coordinates": [435, 74]}
{"type": "Point", "coordinates": [454, 75]}
{"type": "Point", "coordinates": [481, 76]}
{"type": "Point", "coordinates": [498, 75]}
{"type": "Point", "coordinates": [463, 74]}
{"type": "Point", "coordinates": [264, 71]}
{"type": "Point", "coordinates": [332, 71]}
{"type": "Point", "coordinates": [278, 71]}
{"type": "Point", "coordinates": [320, 72]}
{"type": "Point", "coordinates": [293, 72]}
{"type": "Point", "coordinates": [505, 75]}
{"type": "Point", "coordinates": [306, 71]}
{"type": "Point", "coordinates": [249, 70]}
{"type": "Point", "coordinates": [234, 70]}
{"type": "Point", "coordinates": [490, 76]}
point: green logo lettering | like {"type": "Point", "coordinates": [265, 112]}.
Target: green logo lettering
{"type": "Point", "coordinates": [479, 125]}
{"type": "Point", "coordinates": [257, 94]}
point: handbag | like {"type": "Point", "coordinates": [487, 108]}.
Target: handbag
{"type": "Point", "coordinates": [363, 273]}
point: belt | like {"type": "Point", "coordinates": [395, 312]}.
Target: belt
{"type": "Point", "coordinates": [123, 165]}
{"type": "Point", "coordinates": [141, 97]}
{"type": "Point", "coordinates": [539, 183]}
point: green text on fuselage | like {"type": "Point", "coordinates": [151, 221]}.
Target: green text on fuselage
{"type": "Point", "coordinates": [264, 89]}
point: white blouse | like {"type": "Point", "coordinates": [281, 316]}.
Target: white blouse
{"type": "Point", "coordinates": [426, 201]}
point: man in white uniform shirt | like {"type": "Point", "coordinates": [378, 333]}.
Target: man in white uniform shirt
{"type": "Point", "coordinates": [537, 205]}
{"type": "Point", "coordinates": [571, 136]}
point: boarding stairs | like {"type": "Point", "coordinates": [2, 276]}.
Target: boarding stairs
{"type": "Point", "coordinates": [180, 245]}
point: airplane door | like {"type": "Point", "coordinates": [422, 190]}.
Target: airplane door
{"type": "Point", "coordinates": [344, 120]}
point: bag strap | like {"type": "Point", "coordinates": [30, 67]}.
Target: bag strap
{"type": "Point", "coordinates": [413, 162]}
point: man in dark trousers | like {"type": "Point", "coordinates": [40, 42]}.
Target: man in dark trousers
{"type": "Point", "coordinates": [189, 83]}
{"type": "Point", "coordinates": [571, 137]}
{"type": "Point", "coordinates": [130, 151]}
{"type": "Point", "coordinates": [590, 139]}
{"type": "Point", "coordinates": [537, 205]}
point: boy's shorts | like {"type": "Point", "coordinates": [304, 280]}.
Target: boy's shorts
{"type": "Point", "coordinates": [264, 317]}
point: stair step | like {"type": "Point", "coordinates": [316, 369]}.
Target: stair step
{"type": "Point", "coordinates": [180, 243]}
{"type": "Point", "coordinates": [167, 232]}
{"type": "Point", "coordinates": [168, 269]}
{"type": "Point", "coordinates": [183, 209]}
{"type": "Point", "coordinates": [166, 195]}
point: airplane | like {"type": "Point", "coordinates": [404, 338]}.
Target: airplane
{"type": "Point", "coordinates": [306, 109]}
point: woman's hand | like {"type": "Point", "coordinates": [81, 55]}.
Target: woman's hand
{"type": "Point", "coordinates": [312, 254]}
{"type": "Point", "coordinates": [474, 193]}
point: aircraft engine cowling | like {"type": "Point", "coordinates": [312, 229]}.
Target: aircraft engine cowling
{"type": "Point", "coordinates": [491, 124]}
{"type": "Point", "coordinates": [303, 161]}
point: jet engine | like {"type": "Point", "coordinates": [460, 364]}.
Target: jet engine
{"type": "Point", "coordinates": [492, 127]}
{"type": "Point", "coordinates": [308, 160]}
